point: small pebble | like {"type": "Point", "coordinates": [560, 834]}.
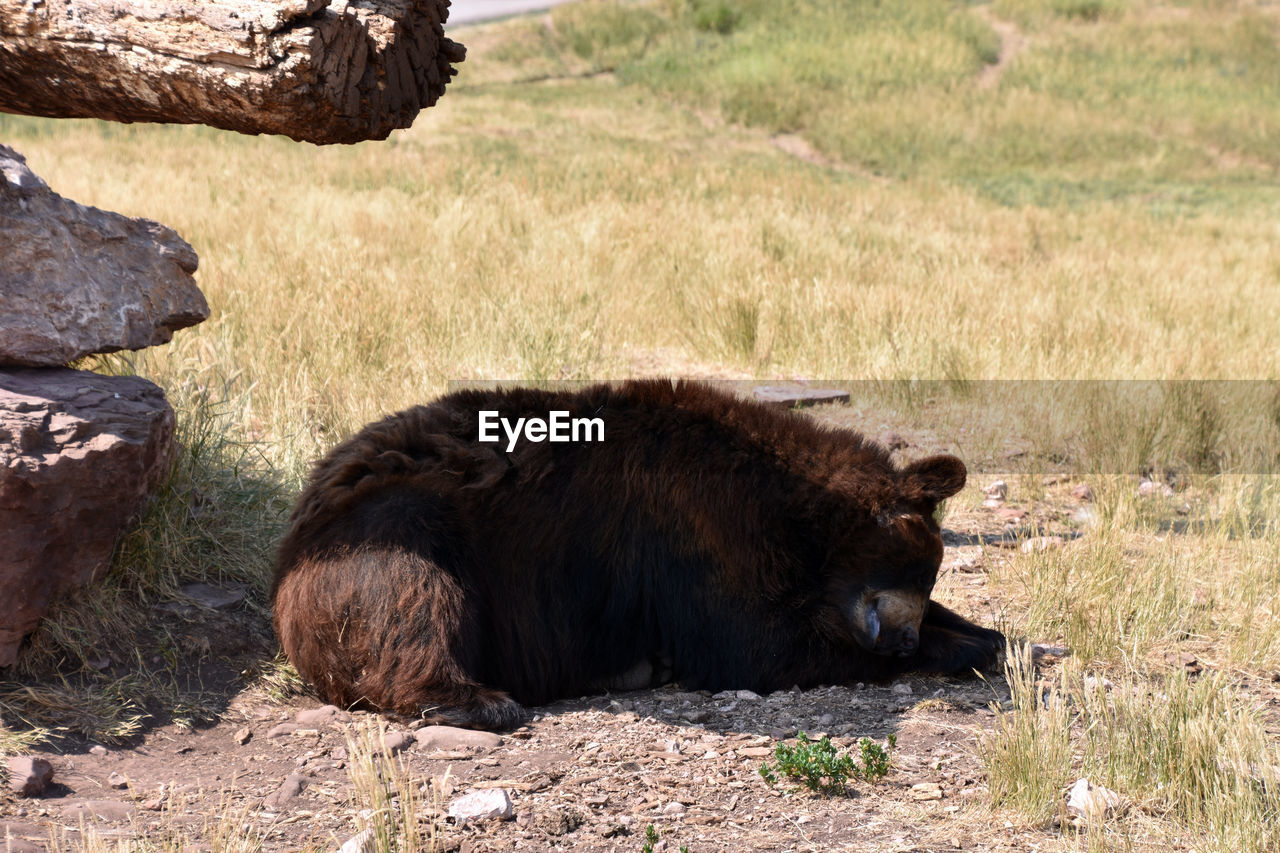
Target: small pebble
{"type": "Point", "coordinates": [1042, 543]}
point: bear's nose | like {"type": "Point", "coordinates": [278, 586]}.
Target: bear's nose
{"type": "Point", "coordinates": [908, 641]}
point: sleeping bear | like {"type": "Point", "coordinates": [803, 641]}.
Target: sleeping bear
{"type": "Point", "coordinates": [437, 565]}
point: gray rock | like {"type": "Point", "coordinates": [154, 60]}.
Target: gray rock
{"type": "Point", "coordinates": [287, 794]}
{"type": "Point", "coordinates": [29, 776]}
{"type": "Point", "coordinates": [792, 396]}
{"type": "Point", "coordinates": [324, 715]}
{"type": "Point", "coordinates": [79, 454]}
{"type": "Point", "coordinates": [487, 804]}
{"type": "Point", "coordinates": [76, 280]}
{"type": "Point", "coordinates": [398, 741]}
{"type": "Point", "coordinates": [450, 738]}
{"type": "Point", "coordinates": [281, 730]}
{"type": "Point", "coordinates": [117, 780]}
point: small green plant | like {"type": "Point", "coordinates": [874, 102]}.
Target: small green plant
{"type": "Point", "coordinates": [651, 837]}
{"type": "Point", "coordinates": [875, 758]}
{"type": "Point", "coordinates": [819, 766]}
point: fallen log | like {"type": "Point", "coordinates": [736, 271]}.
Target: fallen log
{"type": "Point", "coordinates": [320, 71]}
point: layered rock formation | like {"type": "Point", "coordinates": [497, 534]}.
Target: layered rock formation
{"type": "Point", "coordinates": [79, 454]}
{"type": "Point", "coordinates": [79, 451]}
{"type": "Point", "coordinates": [76, 280]}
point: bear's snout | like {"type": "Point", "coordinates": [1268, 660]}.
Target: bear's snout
{"type": "Point", "coordinates": [887, 623]}
{"type": "Point", "coordinates": [904, 644]}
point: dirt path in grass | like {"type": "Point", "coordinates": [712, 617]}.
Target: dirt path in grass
{"type": "Point", "coordinates": [1012, 43]}
{"type": "Point", "coordinates": [582, 775]}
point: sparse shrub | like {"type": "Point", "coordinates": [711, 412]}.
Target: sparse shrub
{"type": "Point", "coordinates": [715, 16]}
{"type": "Point", "coordinates": [820, 767]}
{"type": "Point", "coordinates": [875, 758]}
{"type": "Point", "coordinates": [652, 837]}
{"type": "Point", "coordinates": [1087, 10]}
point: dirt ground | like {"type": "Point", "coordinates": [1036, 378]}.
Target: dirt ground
{"type": "Point", "coordinates": [583, 775]}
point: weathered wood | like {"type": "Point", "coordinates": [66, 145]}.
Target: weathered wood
{"type": "Point", "coordinates": [316, 70]}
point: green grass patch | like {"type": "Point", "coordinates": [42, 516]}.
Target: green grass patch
{"type": "Point", "coordinates": [821, 767]}
{"type": "Point", "coordinates": [1104, 100]}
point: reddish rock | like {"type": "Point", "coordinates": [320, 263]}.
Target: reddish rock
{"type": "Point", "coordinates": [79, 454]}
{"type": "Point", "coordinates": [29, 776]}
{"type": "Point", "coordinates": [76, 280]}
{"type": "Point", "coordinates": [1011, 515]}
{"type": "Point", "coordinates": [324, 715]}
{"type": "Point", "coordinates": [287, 795]}
{"type": "Point", "coordinates": [450, 738]}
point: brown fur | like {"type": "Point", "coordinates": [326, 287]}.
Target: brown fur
{"type": "Point", "coordinates": [725, 542]}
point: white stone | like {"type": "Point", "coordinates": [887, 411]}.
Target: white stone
{"type": "Point", "coordinates": [1091, 802]}
{"type": "Point", "coordinates": [362, 842]}
{"type": "Point", "coordinates": [488, 804]}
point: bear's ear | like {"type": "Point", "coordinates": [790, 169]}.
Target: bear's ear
{"type": "Point", "coordinates": [935, 478]}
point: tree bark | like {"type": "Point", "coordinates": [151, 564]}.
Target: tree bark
{"type": "Point", "coordinates": [321, 71]}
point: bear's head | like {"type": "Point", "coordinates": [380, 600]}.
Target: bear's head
{"type": "Point", "coordinates": [885, 565]}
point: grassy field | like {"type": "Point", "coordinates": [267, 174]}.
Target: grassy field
{"type": "Point", "coordinates": [1026, 189]}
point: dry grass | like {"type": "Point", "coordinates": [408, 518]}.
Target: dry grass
{"type": "Point", "coordinates": [224, 828]}
{"type": "Point", "coordinates": [1191, 757]}
{"type": "Point", "coordinates": [401, 813]}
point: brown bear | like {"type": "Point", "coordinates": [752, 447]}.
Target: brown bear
{"type": "Point", "coordinates": [432, 570]}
